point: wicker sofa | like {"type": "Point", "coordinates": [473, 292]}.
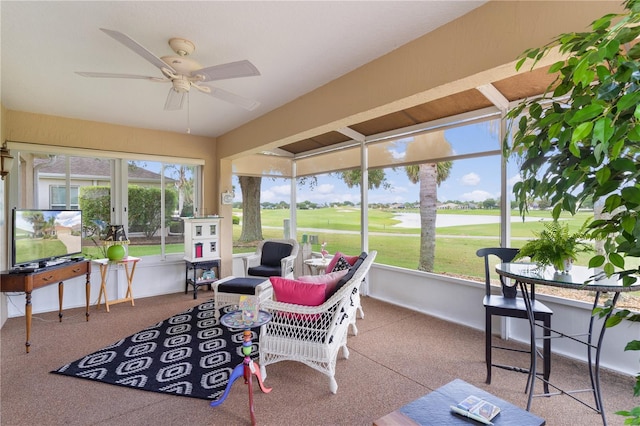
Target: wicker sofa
{"type": "Point", "coordinates": [313, 335]}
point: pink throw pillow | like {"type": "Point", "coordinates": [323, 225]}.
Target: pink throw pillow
{"type": "Point", "coordinates": [350, 259]}
{"type": "Point", "coordinates": [329, 280]}
{"type": "Point", "coordinates": [298, 292]}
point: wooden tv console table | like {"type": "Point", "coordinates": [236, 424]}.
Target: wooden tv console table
{"type": "Point", "coordinates": [29, 281]}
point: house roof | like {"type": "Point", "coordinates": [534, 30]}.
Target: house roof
{"type": "Point", "coordinates": [90, 167]}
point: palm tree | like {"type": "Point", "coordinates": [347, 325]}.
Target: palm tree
{"type": "Point", "coordinates": [430, 176]}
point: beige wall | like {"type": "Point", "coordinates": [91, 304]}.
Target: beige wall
{"type": "Point", "coordinates": [478, 48]}
{"type": "Point", "coordinates": [3, 227]}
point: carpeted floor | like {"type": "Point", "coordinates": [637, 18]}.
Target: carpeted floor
{"type": "Point", "coordinates": [188, 354]}
{"type": "Point", "coordinates": [398, 356]}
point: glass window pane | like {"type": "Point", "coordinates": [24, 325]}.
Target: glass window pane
{"type": "Point", "coordinates": [439, 222]}
{"type": "Point", "coordinates": [158, 194]}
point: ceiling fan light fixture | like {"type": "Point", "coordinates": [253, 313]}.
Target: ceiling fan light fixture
{"type": "Point", "coordinates": [181, 46]}
{"type": "Point", "coordinates": [181, 85]}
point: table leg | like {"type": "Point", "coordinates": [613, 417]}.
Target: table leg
{"type": "Point", "coordinates": [27, 316]}
{"type": "Point", "coordinates": [195, 284]}
{"type": "Point", "coordinates": [87, 289]}
{"type": "Point", "coordinates": [60, 293]}
{"type": "Point", "coordinates": [237, 372]}
{"type": "Point", "coordinates": [104, 269]}
{"type": "Point", "coordinates": [532, 336]}
{"type": "Point", "coordinates": [249, 381]}
{"type": "Point", "coordinates": [247, 369]}
{"type": "Point", "coordinates": [594, 369]}
{"type": "Point", "coordinates": [186, 278]}
{"type": "Point", "coordinates": [103, 286]}
{"type": "Point", "coordinates": [129, 275]}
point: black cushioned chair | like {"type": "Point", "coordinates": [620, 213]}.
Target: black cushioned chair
{"type": "Point", "coordinates": [273, 258]}
{"type": "Point", "coordinates": [509, 305]}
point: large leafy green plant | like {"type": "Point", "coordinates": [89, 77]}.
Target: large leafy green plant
{"type": "Point", "coordinates": [581, 140]}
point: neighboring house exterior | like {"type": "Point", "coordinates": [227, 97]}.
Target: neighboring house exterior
{"type": "Point", "coordinates": [50, 173]}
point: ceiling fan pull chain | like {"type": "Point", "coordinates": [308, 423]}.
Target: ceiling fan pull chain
{"type": "Point", "coordinates": [188, 114]}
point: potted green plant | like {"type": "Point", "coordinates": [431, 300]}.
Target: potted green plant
{"type": "Point", "coordinates": [556, 246]}
{"type": "Point", "coordinates": [586, 145]}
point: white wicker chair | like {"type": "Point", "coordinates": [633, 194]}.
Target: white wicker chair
{"type": "Point", "coordinates": [312, 334]}
{"type": "Point", "coordinates": [287, 264]}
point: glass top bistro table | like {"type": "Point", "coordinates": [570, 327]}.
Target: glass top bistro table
{"type": "Point", "coordinates": [247, 368]}
{"type": "Point", "coordinates": [527, 275]}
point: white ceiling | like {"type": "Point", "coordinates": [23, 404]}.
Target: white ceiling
{"type": "Point", "coordinates": [296, 46]}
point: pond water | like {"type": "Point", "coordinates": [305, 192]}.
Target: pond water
{"type": "Point", "coordinates": [412, 220]}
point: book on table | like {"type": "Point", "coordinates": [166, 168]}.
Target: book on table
{"type": "Point", "coordinates": [477, 409]}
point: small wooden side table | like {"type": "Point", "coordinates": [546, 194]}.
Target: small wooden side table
{"type": "Point", "coordinates": [195, 282]}
{"type": "Point", "coordinates": [104, 270]}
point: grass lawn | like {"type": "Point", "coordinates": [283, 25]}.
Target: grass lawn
{"type": "Point", "coordinates": [455, 246]}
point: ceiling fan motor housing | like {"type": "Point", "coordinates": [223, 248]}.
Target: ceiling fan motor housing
{"type": "Point", "coordinates": [181, 46]}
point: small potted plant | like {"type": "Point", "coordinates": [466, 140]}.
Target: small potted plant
{"type": "Point", "coordinates": [556, 246]}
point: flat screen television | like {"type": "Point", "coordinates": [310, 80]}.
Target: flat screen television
{"type": "Point", "coordinates": [41, 235]}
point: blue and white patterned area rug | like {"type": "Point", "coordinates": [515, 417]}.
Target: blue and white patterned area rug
{"type": "Point", "coordinates": [190, 354]}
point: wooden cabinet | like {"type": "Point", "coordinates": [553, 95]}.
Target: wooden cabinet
{"type": "Point", "coordinates": [201, 238]}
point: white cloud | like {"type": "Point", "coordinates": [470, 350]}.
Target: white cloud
{"type": "Point", "coordinates": [397, 154]}
{"type": "Point", "coordinates": [470, 179]}
{"type": "Point", "coordinates": [269, 196]}
{"type": "Point", "coordinates": [513, 180]}
{"type": "Point", "coordinates": [477, 195]}
{"type": "Point", "coordinates": [325, 188]}
{"type": "Point", "coordinates": [281, 189]}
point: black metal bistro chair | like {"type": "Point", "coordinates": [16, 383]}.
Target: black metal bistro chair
{"type": "Point", "coordinates": [509, 305]}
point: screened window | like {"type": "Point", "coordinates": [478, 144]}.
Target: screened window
{"type": "Point", "coordinates": [58, 197]}
{"type": "Point", "coordinates": [147, 197]}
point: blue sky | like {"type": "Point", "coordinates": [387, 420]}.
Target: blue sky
{"type": "Point", "coordinates": [475, 179]}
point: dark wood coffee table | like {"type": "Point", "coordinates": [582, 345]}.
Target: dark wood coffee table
{"type": "Point", "coordinates": [433, 409]}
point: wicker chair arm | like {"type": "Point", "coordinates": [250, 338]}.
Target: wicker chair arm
{"type": "Point", "coordinates": [251, 261]}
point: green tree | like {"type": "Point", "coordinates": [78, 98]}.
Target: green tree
{"type": "Point", "coordinates": [37, 220]}
{"type": "Point", "coordinates": [145, 208]}
{"type": "Point", "coordinates": [95, 203]}
{"type": "Point", "coordinates": [489, 203]}
{"type": "Point", "coordinates": [353, 177]}
{"type": "Point", "coordinates": [251, 220]}
{"type": "Point", "coordinates": [585, 145]}
{"type": "Point", "coordinates": [183, 182]}
{"type": "Point", "coordinates": [430, 176]}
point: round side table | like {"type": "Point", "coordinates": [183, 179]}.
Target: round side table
{"type": "Point", "coordinates": [318, 266]}
{"type": "Point", "coordinates": [248, 367]}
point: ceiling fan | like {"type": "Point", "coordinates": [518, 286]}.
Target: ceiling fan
{"type": "Point", "coordinates": [184, 73]}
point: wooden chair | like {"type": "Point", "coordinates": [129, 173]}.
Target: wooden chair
{"type": "Point", "coordinates": [313, 335]}
{"type": "Point", "coordinates": [509, 305]}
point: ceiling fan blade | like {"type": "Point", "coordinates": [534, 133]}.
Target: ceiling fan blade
{"type": "Point", "coordinates": [175, 100]}
{"type": "Point", "coordinates": [137, 48]}
{"type": "Point", "coordinates": [110, 75]}
{"type": "Point", "coordinates": [248, 104]}
{"type": "Point", "coordinates": [229, 70]}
